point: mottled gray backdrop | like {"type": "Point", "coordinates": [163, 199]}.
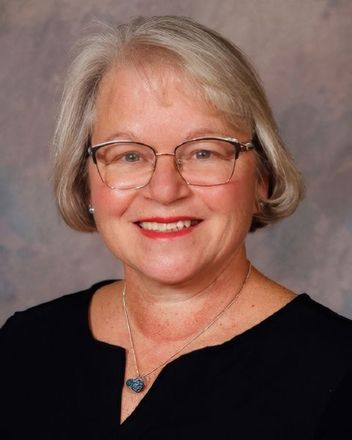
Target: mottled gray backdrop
{"type": "Point", "coordinates": [302, 50]}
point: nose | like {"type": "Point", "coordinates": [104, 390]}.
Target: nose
{"type": "Point", "coordinates": [166, 184]}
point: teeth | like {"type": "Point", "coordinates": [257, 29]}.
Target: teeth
{"type": "Point", "coordinates": [167, 227]}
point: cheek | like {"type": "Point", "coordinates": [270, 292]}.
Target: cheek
{"type": "Point", "coordinates": [236, 199]}
{"type": "Point", "coordinates": [246, 186]}
{"type": "Point", "coordinates": [98, 190]}
{"type": "Point", "coordinates": [106, 202]}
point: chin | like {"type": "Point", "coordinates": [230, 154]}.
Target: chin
{"type": "Point", "coordinates": [172, 274]}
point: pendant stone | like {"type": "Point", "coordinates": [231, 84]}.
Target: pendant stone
{"type": "Point", "coordinates": [136, 384]}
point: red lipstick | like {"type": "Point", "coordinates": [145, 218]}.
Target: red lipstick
{"type": "Point", "coordinates": [149, 226]}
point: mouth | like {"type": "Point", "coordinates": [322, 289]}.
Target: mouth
{"type": "Point", "coordinates": [168, 225]}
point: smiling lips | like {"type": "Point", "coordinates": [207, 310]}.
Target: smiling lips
{"type": "Point", "coordinates": [167, 227]}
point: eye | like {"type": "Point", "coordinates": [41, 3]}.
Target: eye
{"type": "Point", "coordinates": [131, 156]}
{"type": "Point", "coordinates": [206, 151]}
{"type": "Point", "coordinates": [203, 154]}
{"type": "Point", "coordinates": [125, 154]}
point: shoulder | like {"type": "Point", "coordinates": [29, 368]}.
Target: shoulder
{"type": "Point", "coordinates": [305, 327]}
{"type": "Point", "coordinates": [317, 320]}
{"type": "Point", "coordinates": [306, 342]}
{"type": "Point", "coordinates": [56, 317]}
{"type": "Point", "coordinates": [314, 337]}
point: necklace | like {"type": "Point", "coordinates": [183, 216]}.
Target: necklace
{"type": "Point", "coordinates": [138, 384]}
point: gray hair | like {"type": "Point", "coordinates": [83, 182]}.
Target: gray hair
{"type": "Point", "coordinates": [224, 78]}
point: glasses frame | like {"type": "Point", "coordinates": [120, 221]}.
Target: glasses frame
{"type": "Point", "coordinates": [240, 147]}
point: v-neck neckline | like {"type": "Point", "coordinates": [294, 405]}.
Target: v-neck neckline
{"type": "Point", "coordinates": [239, 341]}
{"type": "Point", "coordinates": [243, 335]}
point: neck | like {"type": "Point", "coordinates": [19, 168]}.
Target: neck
{"type": "Point", "coordinates": [172, 313]}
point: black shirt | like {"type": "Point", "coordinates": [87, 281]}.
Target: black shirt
{"type": "Point", "coordinates": [289, 377]}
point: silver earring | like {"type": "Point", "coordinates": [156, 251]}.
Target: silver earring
{"type": "Point", "coordinates": [91, 210]}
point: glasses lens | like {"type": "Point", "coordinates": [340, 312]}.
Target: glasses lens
{"type": "Point", "coordinates": [125, 165]}
{"type": "Point", "coordinates": [206, 161]}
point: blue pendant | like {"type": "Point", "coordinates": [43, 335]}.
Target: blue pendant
{"type": "Point", "coordinates": [136, 385]}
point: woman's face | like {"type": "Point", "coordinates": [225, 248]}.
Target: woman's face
{"type": "Point", "coordinates": [160, 111]}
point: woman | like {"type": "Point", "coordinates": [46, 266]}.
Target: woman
{"type": "Point", "coordinates": [167, 147]}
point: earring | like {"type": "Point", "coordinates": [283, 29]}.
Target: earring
{"type": "Point", "coordinates": [261, 206]}
{"type": "Point", "coordinates": [91, 210]}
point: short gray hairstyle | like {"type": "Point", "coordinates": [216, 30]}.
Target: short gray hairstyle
{"type": "Point", "coordinates": [224, 78]}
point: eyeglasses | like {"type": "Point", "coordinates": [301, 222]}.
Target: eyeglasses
{"type": "Point", "coordinates": [206, 161]}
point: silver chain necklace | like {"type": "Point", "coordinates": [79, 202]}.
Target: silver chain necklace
{"type": "Point", "coordinates": [138, 384]}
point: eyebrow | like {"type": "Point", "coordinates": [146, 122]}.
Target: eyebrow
{"type": "Point", "coordinates": [120, 135]}
{"type": "Point", "coordinates": [204, 132]}
{"type": "Point", "coordinates": [199, 132]}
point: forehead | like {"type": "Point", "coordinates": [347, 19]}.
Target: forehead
{"type": "Point", "coordinates": [149, 86]}
{"type": "Point", "coordinates": [158, 81]}
{"type": "Point", "coordinates": [133, 95]}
